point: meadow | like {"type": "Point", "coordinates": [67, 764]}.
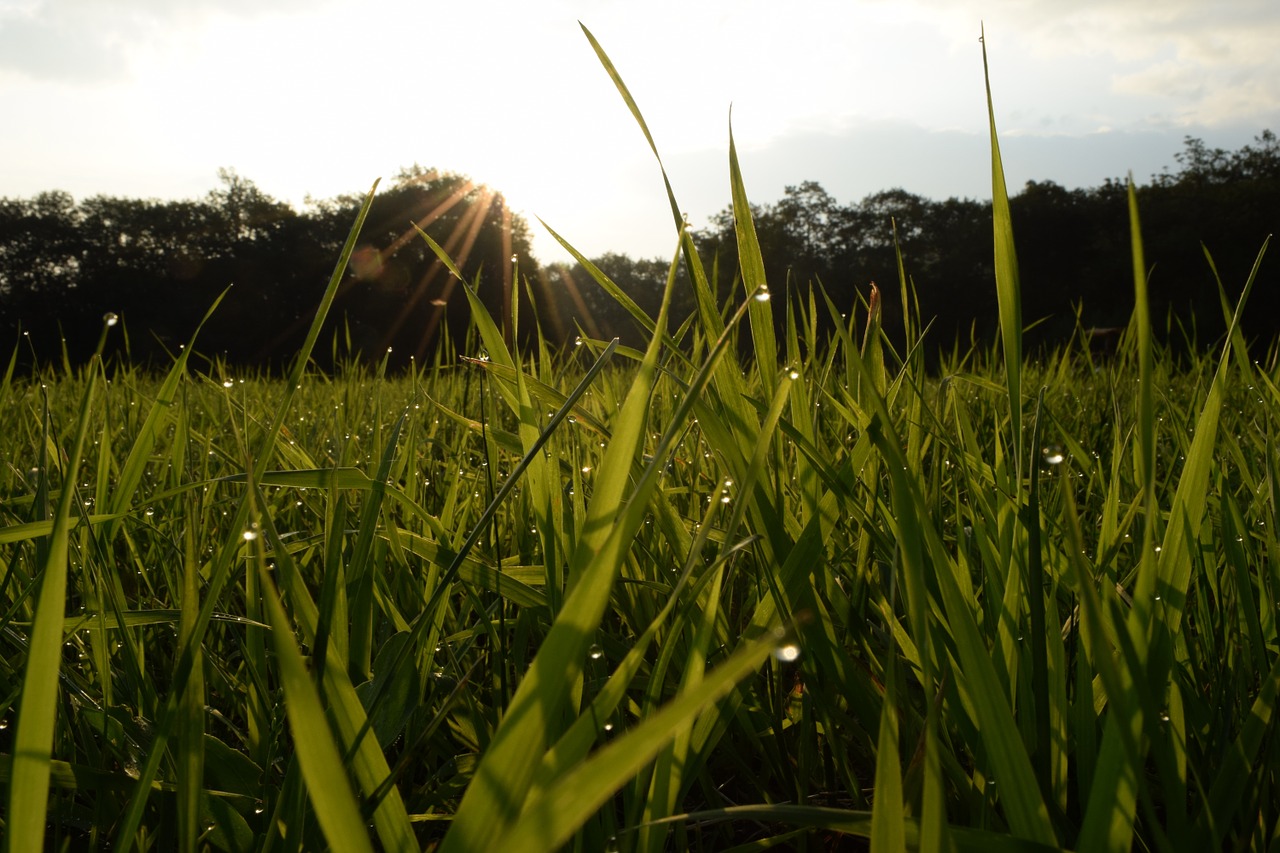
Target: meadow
{"type": "Point", "coordinates": [816, 597]}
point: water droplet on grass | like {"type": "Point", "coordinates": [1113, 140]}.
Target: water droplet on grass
{"type": "Point", "coordinates": [110, 318]}
{"type": "Point", "coordinates": [595, 652]}
{"type": "Point", "coordinates": [1053, 454]}
{"type": "Point", "coordinates": [787, 653]}
{"type": "Point", "coordinates": [762, 295]}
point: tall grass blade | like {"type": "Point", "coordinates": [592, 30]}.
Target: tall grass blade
{"type": "Point", "coordinates": [38, 705]}
{"type": "Point", "coordinates": [495, 797]}
{"type": "Point", "coordinates": [318, 755]}
{"type": "Point", "coordinates": [549, 821]}
{"type": "Point", "coordinates": [1008, 287]}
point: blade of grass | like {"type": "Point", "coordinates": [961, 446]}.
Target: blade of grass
{"type": "Point", "coordinates": [38, 706]}
{"type": "Point", "coordinates": [318, 755]}
{"type": "Point", "coordinates": [220, 574]}
{"type": "Point", "coordinates": [1008, 287]}
{"type": "Point", "coordinates": [494, 799]}
{"type": "Point", "coordinates": [550, 821]}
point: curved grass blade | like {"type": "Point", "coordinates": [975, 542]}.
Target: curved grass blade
{"type": "Point", "coordinates": [318, 755]}
{"type": "Point", "coordinates": [495, 796]}
{"type": "Point", "coordinates": [551, 820]}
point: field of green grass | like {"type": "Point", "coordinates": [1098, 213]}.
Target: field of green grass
{"type": "Point", "coordinates": [611, 599]}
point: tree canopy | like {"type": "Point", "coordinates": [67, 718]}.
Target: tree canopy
{"type": "Point", "coordinates": [160, 264]}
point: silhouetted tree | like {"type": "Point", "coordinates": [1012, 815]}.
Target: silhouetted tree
{"type": "Point", "coordinates": [161, 264]}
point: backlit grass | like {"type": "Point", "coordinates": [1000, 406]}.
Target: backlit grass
{"type": "Point", "coordinates": [642, 600]}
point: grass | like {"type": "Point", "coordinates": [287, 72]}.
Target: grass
{"type": "Point", "coordinates": [642, 600]}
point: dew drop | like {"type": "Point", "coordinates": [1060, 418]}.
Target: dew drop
{"type": "Point", "coordinates": [227, 383]}
{"type": "Point", "coordinates": [762, 295]}
{"type": "Point", "coordinates": [595, 652]}
{"type": "Point", "coordinates": [1053, 454]}
{"type": "Point", "coordinates": [793, 373]}
{"type": "Point", "coordinates": [110, 318]}
{"type": "Point", "coordinates": [787, 653]}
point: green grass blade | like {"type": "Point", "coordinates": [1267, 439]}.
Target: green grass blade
{"type": "Point", "coordinates": [1190, 498]}
{"type": "Point", "coordinates": [38, 705]}
{"type": "Point", "coordinates": [1229, 787]}
{"type": "Point", "coordinates": [161, 411]}
{"type": "Point", "coordinates": [549, 821]}
{"type": "Point", "coordinates": [1008, 287]}
{"type": "Point", "coordinates": [494, 799]}
{"type": "Point", "coordinates": [318, 755]}
{"type": "Point", "coordinates": [126, 832]}
{"type": "Point", "coordinates": [888, 817]}
{"type": "Point", "coordinates": [751, 263]}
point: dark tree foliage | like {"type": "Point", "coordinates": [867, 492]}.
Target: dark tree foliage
{"type": "Point", "coordinates": [160, 265]}
{"type": "Point", "coordinates": [1073, 250]}
{"type": "Point", "coordinates": [574, 303]}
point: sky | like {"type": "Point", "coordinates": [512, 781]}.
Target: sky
{"type": "Point", "coordinates": [149, 98]}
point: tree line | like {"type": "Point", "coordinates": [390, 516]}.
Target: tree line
{"type": "Point", "coordinates": [159, 265]}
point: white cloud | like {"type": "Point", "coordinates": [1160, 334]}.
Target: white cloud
{"type": "Point", "coordinates": [95, 41]}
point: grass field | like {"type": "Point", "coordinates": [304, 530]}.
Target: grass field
{"type": "Point", "coordinates": [643, 600]}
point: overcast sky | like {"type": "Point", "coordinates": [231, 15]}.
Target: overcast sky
{"type": "Point", "coordinates": [148, 98]}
